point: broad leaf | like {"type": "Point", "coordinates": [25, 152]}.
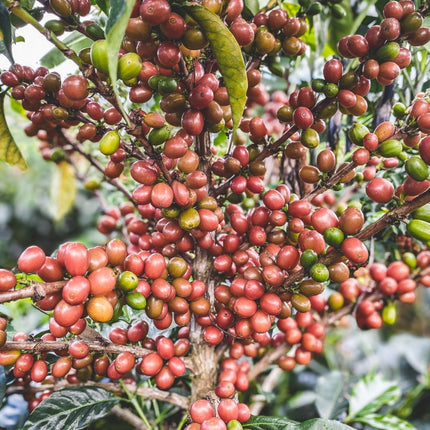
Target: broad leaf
{"type": "Point", "coordinates": [269, 423]}
{"type": "Point", "coordinates": [272, 423]}
{"type": "Point", "coordinates": [228, 55]}
{"type": "Point", "coordinates": [119, 15]}
{"type": "Point", "coordinates": [251, 7]}
{"type": "Point", "coordinates": [17, 107]}
{"type": "Point", "coordinates": [75, 41]}
{"type": "Point", "coordinates": [6, 32]}
{"type": "Point", "coordinates": [370, 393]}
{"type": "Point", "coordinates": [322, 424]}
{"type": "Point", "coordinates": [63, 190]}
{"type": "Point", "coordinates": [340, 27]}
{"type": "Point", "coordinates": [384, 422]}
{"type": "Point", "coordinates": [2, 383]}
{"type": "Point", "coordinates": [329, 406]}
{"type": "Point", "coordinates": [103, 5]}
{"type": "Point", "coordinates": [291, 8]}
{"type": "Point", "coordinates": [71, 409]}
{"type": "Point", "coordinates": [9, 151]}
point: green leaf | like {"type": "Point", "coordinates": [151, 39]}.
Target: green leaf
{"type": "Point", "coordinates": [340, 27]}
{"type": "Point", "coordinates": [17, 107]}
{"type": "Point", "coordinates": [309, 38]}
{"type": "Point", "coordinates": [75, 41]}
{"type": "Point", "coordinates": [6, 33]}
{"type": "Point", "coordinates": [2, 383]}
{"type": "Point", "coordinates": [269, 423]}
{"type": "Point", "coordinates": [119, 15]}
{"type": "Point", "coordinates": [291, 8]}
{"type": "Point", "coordinates": [63, 190]}
{"type": "Point", "coordinates": [370, 393]}
{"type": "Point", "coordinates": [384, 422]}
{"type": "Point", "coordinates": [103, 5]}
{"type": "Point", "coordinates": [322, 424]}
{"type": "Point", "coordinates": [9, 151]}
{"type": "Point", "coordinates": [228, 55]}
{"type": "Point", "coordinates": [329, 406]}
{"type": "Point", "coordinates": [71, 409]}
{"type": "Point", "coordinates": [273, 423]}
{"type": "Point", "coordinates": [252, 6]}
{"type": "Point", "coordinates": [27, 4]}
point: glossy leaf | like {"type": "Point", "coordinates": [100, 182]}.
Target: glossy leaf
{"type": "Point", "coordinates": [272, 423]}
{"type": "Point", "coordinates": [330, 406]}
{"type": "Point", "coordinates": [384, 422]}
{"type": "Point", "coordinates": [103, 5]}
{"type": "Point", "coordinates": [119, 15]}
{"type": "Point", "coordinates": [63, 190]}
{"type": "Point", "coordinates": [6, 32]}
{"type": "Point", "coordinates": [269, 423]}
{"type": "Point", "coordinates": [75, 41]}
{"type": "Point", "coordinates": [9, 151]}
{"type": "Point", "coordinates": [71, 409]}
{"type": "Point", "coordinates": [370, 393]}
{"type": "Point", "coordinates": [228, 55]}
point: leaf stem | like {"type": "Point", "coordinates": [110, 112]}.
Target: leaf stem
{"type": "Point", "coordinates": [21, 13]}
{"type": "Point", "coordinates": [136, 405]}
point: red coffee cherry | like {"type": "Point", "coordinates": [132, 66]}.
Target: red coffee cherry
{"type": "Point", "coordinates": [31, 259]}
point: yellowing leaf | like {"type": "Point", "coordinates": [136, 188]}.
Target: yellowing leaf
{"type": "Point", "coordinates": [9, 151]}
{"type": "Point", "coordinates": [63, 190]}
{"type": "Point", "coordinates": [229, 56]}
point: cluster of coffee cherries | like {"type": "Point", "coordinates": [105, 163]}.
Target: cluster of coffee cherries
{"type": "Point", "coordinates": [230, 415]}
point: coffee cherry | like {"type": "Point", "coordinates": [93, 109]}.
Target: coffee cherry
{"type": "Point", "coordinates": [75, 87]}
{"type": "Point", "coordinates": [7, 280]}
{"type": "Point", "coordinates": [31, 259]}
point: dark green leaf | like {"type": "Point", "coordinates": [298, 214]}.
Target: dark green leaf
{"type": "Point", "coordinates": [272, 423]}
{"type": "Point", "coordinates": [2, 383]}
{"type": "Point", "coordinates": [321, 424]}
{"type": "Point", "coordinates": [228, 55]}
{"type": "Point", "coordinates": [340, 27]}
{"type": "Point", "coordinates": [370, 393]}
{"type": "Point", "coordinates": [384, 422]}
{"type": "Point", "coordinates": [329, 406]}
{"type": "Point", "coordinates": [75, 41]}
{"type": "Point", "coordinates": [9, 151]}
{"type": "Point", "coordinates": [71, 409]}
{"type": "Point", "coordinates": [269, 423]}
{"type": "Point", "coordinates": [6, 32]}
{"type": "Point", "coordinates": [115, 29]}
{"type": "Point", "coordinates": [103, 5]}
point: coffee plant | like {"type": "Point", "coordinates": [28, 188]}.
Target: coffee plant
{"type": "Point", "coordinates": [262, 173]}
